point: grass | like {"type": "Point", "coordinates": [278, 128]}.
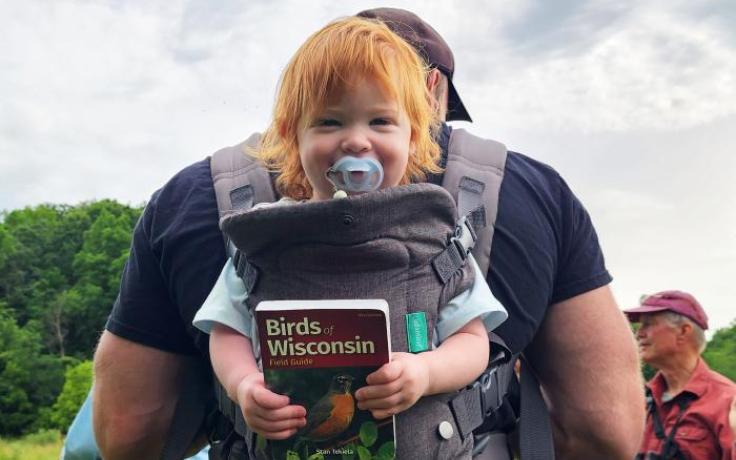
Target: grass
{"type": "Point", "coordinates": [44, 445]}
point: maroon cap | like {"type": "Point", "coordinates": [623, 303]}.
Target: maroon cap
{"type": "Point", "coordinates": [429, 44]}
{"type": "Point", "coordinates": [674, 301]}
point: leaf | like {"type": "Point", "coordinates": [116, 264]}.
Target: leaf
{"type": "Point", "coordinates": [349, 448]}
{"type": "Point", "coordinates": [291, 455]}
{"type": "Point", "coordinates": [260, 443]}
{"type": "Point", "coordinates": [316, 456]}
{"type": "Point", "coordinates": [363, 453]}
{"type": "Point", "coordinates": [387, 451]}
{"type": "Point", "coordinates": [368, 433]}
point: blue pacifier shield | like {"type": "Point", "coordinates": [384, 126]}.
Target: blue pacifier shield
{"type": "Point", "coordinates": [352, 174]}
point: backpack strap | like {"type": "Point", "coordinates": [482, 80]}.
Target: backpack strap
{"type": "Point", "coordinates": [473, 176]}
{"type": "Point", "coordinates": [240, 180]}
{"type": "Point", "coordinates": [192, 407]}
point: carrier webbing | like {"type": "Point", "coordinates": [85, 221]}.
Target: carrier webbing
{"type": "Point", "coordinates": [473, 177]}
{"type": "Point", "coordinates": [240, 180]}
{"type": "Point", "coordinates": [195, 400]}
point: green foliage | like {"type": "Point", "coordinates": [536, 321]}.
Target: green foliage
{"type": "Point", "coordinates": [60, 268]}
{"type": "Point", "coordinates": [368, 433]}
{"type": "Point", "coordinates": [720, 354]}
{"type": "Point", "coordinates": [387, 451]}
{"type": "Point", "coordinates": [77, 382]}
{"type": "Point", "coordinates": [29, 379]}
{"type": "Point", "coordinates": [363, 453]}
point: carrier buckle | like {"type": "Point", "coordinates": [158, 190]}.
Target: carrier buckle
{"type": "Point", "coordinates": [484, 385]}
{"type": "Point", "coordinates": [464, 237]}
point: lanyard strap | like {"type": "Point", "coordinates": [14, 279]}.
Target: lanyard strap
{"type": "Point", "coordinates": [670, 449]}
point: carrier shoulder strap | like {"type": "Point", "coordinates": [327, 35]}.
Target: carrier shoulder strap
{"type": "Point", "coordinates": [473, 176]}
{"type": "Point", "coordinates": [240, 179]}
{"type": "Point", "coordinates": [192, 406]}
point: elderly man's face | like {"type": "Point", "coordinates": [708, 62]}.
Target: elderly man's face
{"type": "Point", "coordinates": [657, 338]}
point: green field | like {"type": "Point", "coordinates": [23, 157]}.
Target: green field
{"type": "Point", "coordinates": [45, 445]}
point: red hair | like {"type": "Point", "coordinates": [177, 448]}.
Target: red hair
{"type": "Point", "coordinates": [342, 52]}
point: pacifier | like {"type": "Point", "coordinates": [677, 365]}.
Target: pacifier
{"type": "Point", "coordinates": [351, 174]}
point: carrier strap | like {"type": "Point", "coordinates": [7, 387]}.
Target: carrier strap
{"type": "Point", "coordinates": [460, 245]}
{"type": "Point", "coordinates": [473, 176]}
{"type": "Point", "coordinates": [467, 408]}
{"type": "Point", "coordinates": [535, 429]}
{"type": "Point", "coordinates": [240, 180]}
{"type": "Point", "coordinates": [189, 415]}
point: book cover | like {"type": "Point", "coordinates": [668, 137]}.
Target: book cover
{"type": "Point", "coordinates": [319, 352]}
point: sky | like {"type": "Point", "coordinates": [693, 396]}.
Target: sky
{"type": "Point", "coordinates": [633, 102]}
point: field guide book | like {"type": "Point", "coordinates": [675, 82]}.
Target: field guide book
{"type": "Point", "coordinates": [319, 352]}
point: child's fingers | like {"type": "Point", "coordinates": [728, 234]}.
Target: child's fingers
{"type": "Point", "coordinates": [385, 374]}
{"type": "Point", "coordinates": [264, 424]}
{"type": "Point", "coordinates": [372, 392]}
{"type": "Point", "coordinates": [392, 400]}
{"type": "Point", "coordinates": [276, 435]}
{"type": "Point", "coordinates": [268, 399]}
{"type": "Point", "coordinates": [379, 414]}
{"type": "Point", "coordinates": [277, 415]}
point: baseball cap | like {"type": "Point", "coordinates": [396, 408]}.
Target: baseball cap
{"type": "Point", "coordinates": [429, 44]}
{"type": "Point", "coordinates": [675, 301]}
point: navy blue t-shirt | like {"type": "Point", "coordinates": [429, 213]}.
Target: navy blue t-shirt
{"type": "Point", "coordinates": [545, 250]}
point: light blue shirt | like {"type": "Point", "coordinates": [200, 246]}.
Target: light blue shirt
{"type": "Point", "coordinates": [226, 305]}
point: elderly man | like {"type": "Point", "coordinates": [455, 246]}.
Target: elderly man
{"type": "Point", "coordinates": [688, 404]}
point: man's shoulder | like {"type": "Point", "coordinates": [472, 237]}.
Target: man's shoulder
{"type": "Point", "coordinates": [721, 383]}
{"type": "Point", "coordinates": [185, 203]}
{"type": "Point", "coordinates": [195, 175]}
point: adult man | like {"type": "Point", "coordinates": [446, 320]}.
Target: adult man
{"type": "Point", "coordinates": [545, 254]}
{"type": "Point", "coordinates": [688, 404]}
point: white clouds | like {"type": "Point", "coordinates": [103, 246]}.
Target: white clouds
{"type": "Point", "coordinates": [652, 68]}
{"type": "Point", "coordinates": [634, 103]}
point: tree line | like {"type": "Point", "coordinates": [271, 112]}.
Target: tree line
{"type": "Point", "coordinates": [60, 269]}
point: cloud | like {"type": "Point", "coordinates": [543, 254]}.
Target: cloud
{"type": "Point", "coordinates": [642, 68]}
{"type": "Point", "coordinates": [634, 102]}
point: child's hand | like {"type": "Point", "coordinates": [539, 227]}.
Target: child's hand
{"type": "Point", "coordinates": [267, 413]}
{"type": "Point", "coordinates": [395, 387]}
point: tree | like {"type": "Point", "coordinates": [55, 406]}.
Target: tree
{"type": "Point", "coordinates": [77, 383]}
{"type": "Point", "coordinates": [29, 379]}
{"type": "Point", "coordinates": [60, 268]}
{"type": "Point", "coordinates": [720, 354]}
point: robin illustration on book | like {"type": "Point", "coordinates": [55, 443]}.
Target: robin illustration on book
{"type": "Point", "coordinates": [332, 413]}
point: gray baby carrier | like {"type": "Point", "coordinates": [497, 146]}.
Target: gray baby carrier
{"type": "Point", "coordinates": [400, 244]}
{"type": "Point", "coordinates": [370, 246]}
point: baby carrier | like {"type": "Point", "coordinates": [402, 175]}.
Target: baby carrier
{"type": "Point", "coordinates": [372, 252]}
{"type": "Point", "coordinates": [400, 244]}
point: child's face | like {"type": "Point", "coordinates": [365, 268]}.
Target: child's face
{"type": "Point", "coordinates": [362, 122]}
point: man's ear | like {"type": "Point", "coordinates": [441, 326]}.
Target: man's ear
{"type": "Point", "coordinates": [685, 332]}
{"type": "Point", "coordinates": [433, 81]}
